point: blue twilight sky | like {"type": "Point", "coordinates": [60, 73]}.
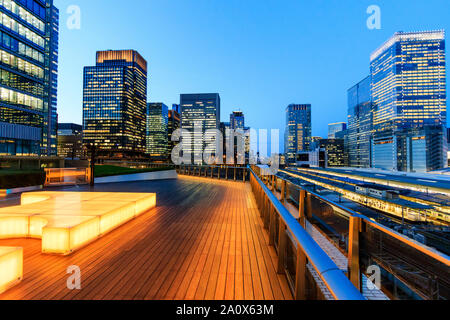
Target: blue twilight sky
{"type": "Point", "coordinates": [259, 55]}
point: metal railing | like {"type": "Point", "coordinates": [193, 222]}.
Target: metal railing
{"type": "Point", "coordinates": [405, 263]}
{"type": "Point", "coordinates": [218, 172]}
{"type": "Point", "coordinates": [422, 269]}
{"type": "Point", "coordinates": [297, 250]}
{"type": "Point", "coordinates": [135, 164]}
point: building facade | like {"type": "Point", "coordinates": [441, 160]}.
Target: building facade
{"type": "Point", "coordinates": [336, 153]}
{"type": "Point", "coordinates": [176, 108]}
{"type": "Point", "coordinates": [360, 124]}
{"type": "Point", "coordinates": [174, 123]}
{"type": "Point", "coordinates": [115, 104]}
{"type": "Point", "coordinates": [199, 113]}
{"type": "Point", "coordinates": [315, 142]}
{"type": "Point", "coordinates": [312, 159]}
{"type": "Point", "coordinates": [334, 128]}
{"type": "Point", "coordinates": [421, 149]}
{"type": "Point", "coordinates": [298, 130]}
{"type": "Point", "coordinates": [70, 141]}
{"type": "Point", "coordinates": [448, 145]}
{"type": "Point", "coordinates": [408, 80]}
{"type": "Point", "coordinates": [237, 120]}
{"type": "Point", "coordinates": [29, 77]}
{"type": "Point", "coordinates": [157, 131]}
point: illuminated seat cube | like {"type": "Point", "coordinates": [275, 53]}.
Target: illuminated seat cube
{"type": "Point", "coordinates": [66, 221]}
{"type": "Point", "coordinates": [11, 267]}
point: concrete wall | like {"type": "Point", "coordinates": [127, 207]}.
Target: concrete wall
{"type": "Point", "coordinates": [147, 176]}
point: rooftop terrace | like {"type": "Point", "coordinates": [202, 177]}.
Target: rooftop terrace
{"type": "Point", "coordinates": [204, 240]}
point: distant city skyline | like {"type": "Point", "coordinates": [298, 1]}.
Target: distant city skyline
{"type": "Point", "coordinates": [237, 69]}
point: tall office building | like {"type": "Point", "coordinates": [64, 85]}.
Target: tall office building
{"type": "Point", "coordinates": [343, 135]}
{"type": "Point", "coordinates": [70, 141]}
{"type": "Point", "coordinates": [199, 113]}
{"type": "Point", "coordinates": [408, 80]}
{"type": "Point", "coordinates": [315, 142]}
{"type": "Point", "coordinates": [28, 83]}
{"type": "Point", "coordinates": [224, 126]}
{"type": "Point", "coordinates": [334, 128]}
{"type": "Point", "coordinates": [421, 149]}
{"type": "Point", "coordinates": [360, 124]}
{"type": "Point", "coordinates": [174, 123]}
{"type": "Point", "coordinates": [176, 107]}
{"type": "Point", "coordinates": [448, 145]}
{"type": "Point", "coordinates": [335, 151]}
{"type": "Point", "coordinates": [157, 131]}
{"type": "Point", "coordinates": [298, 130]}
{"type": "Point", "coordinates": [115, 104]}
{"type": "Point", "coordinates": [237, 120]}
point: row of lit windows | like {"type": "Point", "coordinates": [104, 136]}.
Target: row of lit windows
{"type": "Point", "coordinates": [18, 82]}
{"type": "Point", "coordinates": [11, 115]}
{"type": "Point", "coordinates": [21, 48]}
{"type": "Point", "coordinates": [21, 30]}
{"type": "Point", "coordinates": [31, 19]}
{"type": "Point", "coordinates": [19, 64]}
{"type": "Point", "coordinates": [17, 98]}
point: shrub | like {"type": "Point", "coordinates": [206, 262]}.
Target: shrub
{"type": "Point", "coordinates": [21, 179]}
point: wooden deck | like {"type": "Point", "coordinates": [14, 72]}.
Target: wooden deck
{"type": "Point", "coordinates": [205, 240]}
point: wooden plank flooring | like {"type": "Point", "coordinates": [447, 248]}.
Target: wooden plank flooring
{"type": "Point", "coordinates": [205, 240]}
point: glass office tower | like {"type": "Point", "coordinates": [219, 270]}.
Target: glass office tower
{"type": "Point", "coordinates": [298, 130]}
{"type": "Point", "coordinates": [157, 131]}
{"type": "Point", "coordinates": [335, 151]}
{"type": "Point", "coordinates": [237, 120]}
{"type": "Point", "coordinates": [70, 141]}
{"type": "Point", "coordinates": [174, 124]}
{"type": "Point", "coordinates": [28, 77]}
{"type": "Point", "coordinates": [315, 142]}
{"type": "Point", "coordinates": [334, 128]}
{"type": "Point", "coordinates": [199, 112]}
{"type": "Point", "coordinates": [360, 124]}
{"type": "Point", "coordinates": [408, 79]}
{"type": "Point", "coordinates": [115, 104]}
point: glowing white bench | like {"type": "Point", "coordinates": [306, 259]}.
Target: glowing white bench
{"type": "Point", "coordinates": [67, 221]}
{"type": "Point", "coordinates": [11, 267]}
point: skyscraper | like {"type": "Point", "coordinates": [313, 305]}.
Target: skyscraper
{"type": "Point", "coordinates": [335, 151]}
{"type": "Point", "coordinates": [408, 80]}
{"type": "Point", "coordinates": [70, 141]}
{"type": "Point", "coordinates": [157, 131]}
{"type": "Point", "coordinates": [224, 128]}
{"type": "Point", "coordinates": [29, 69]}
{"type": "Point", "coordinates": [237, 120]}
{"type": "Point", "coordinates": [176, 107]}
{"type": "Point", "coordinates": [298, 130]}
{"type": "Point", "coordinates": [199, 113]}
{"type": "Point", "coordinates": [360, 124]}
{"type": "Point", "coordinates": [333, 128]}
{"type": "Point", "coordinates": [115, 103]}
{"type": "Point", "coordinates": [174, 124]}
{"type": "Point", "coordinates": [315, 142]}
